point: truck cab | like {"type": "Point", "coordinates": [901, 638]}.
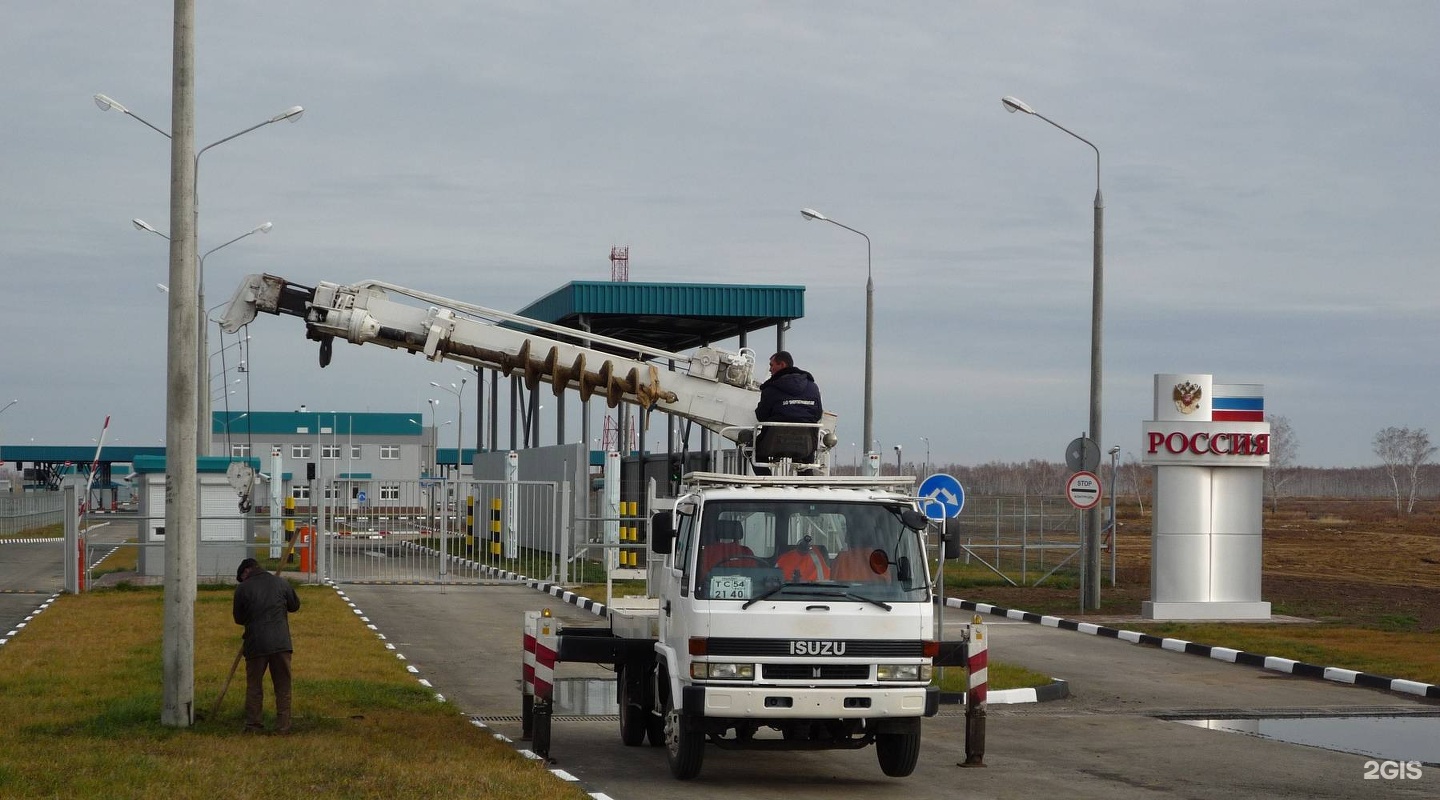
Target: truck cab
{"type": "Point", "coordinates": [795, 612]}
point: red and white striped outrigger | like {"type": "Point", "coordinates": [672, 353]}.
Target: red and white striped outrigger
{"type": "Point", "coordinates": [537, 673]}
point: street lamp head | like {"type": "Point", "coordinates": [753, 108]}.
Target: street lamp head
{"type": "Point", "coordinates": [1114, 449]}
{"type": "Point", "coordinates": [810, 213]}
{"type": "Point", "coordinates": [106, 104]}
{"type": "Point", "coordinates": [292, 113]}
{"type": "Point", "coordinates": [142, 225]}
{"type": "Point", "coordinates": [1013, 104]}
{"type": "Point", "coordinates": [160, 287]}
{"type": "Point", "coordinates": [264, 227]}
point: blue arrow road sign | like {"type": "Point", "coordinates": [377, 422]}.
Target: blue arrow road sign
{"type": "Point", "coordinates": [360, 496]}
{"type": "Point", "coordinates": [941, 496]}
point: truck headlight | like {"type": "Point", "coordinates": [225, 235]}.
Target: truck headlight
{"type": "Point", "coordinates": [903, 672]}
{"type": "Point", "coordinates": [722, 671]}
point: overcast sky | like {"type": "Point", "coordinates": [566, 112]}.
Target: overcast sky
{"type": "Point", "coordinates": [1269, 172]}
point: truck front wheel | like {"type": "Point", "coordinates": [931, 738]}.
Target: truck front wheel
{"type": "Point", "coordinates": [898, 752]}
{"type": "Point", "coordinates": [684, 743]}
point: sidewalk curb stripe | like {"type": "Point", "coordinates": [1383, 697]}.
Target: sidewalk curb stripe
{"type": "Point", "coordinates": [1226, 654]}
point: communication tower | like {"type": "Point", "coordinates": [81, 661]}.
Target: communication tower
{"type": "Point", "coordinates": [620, 264]}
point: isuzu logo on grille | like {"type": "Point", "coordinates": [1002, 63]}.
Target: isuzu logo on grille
{"type": "Point", "coordinates": [817, 648]}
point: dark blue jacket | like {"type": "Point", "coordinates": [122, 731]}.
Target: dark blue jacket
{"type": "Point", "coordinates": [790, 395]}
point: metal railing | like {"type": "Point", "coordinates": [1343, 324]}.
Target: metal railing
{"type": "Point", "coordinates": [30, 510]}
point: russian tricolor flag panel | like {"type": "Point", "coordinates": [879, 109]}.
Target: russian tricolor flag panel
{"type": "Point", "coordinates": [1237, 402]}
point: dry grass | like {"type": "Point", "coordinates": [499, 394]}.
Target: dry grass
{"type": "Point", "coordinates": [1367, 577]}
{"type": "Point", "coordinates": [83, 708]}
{"type": "Point", "coordinates": [1411, 655]}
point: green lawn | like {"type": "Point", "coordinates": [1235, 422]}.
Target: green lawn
{"type": "Point", "coordinates": [81, 693]}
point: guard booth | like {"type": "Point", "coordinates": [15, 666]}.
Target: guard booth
{"type": "Point", "coordinates": [221, 538]}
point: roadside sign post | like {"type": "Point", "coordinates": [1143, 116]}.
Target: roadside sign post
{"type": "Point", "coordinates": [1083, 491]}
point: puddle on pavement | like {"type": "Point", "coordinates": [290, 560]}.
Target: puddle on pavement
{"type": "Point", "coordinates": [591, 697]}
{"type": "Point", "coordinates": [1393, 738]}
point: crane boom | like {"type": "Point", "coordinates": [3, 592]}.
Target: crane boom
{"type": "Point", "coordinates": [713, 387]}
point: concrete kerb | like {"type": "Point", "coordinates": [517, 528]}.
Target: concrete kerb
{"type": "Point", "coordinates": [1272, 663]}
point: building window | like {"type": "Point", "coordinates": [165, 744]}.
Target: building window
{"type": "Point", "coordinates": [299, 451]}
{"type": "Point", "coordinates": [389, 452]}
{"type": "Point", "coordinates": [330, 451]}
{"type": "Point", "coordinates": [389, 491]}
{"type": "Point", "coordinates": [240, 450]}
{"type": "Point", "coordinates": [300, 492]}
{"type": "Point", "coordinates": [332, 492]}
{"type": "Point", "coordinates": [355, 451]}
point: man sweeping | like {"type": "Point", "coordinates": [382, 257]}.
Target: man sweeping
{"type": "Point", "coordinates": [263, 603]}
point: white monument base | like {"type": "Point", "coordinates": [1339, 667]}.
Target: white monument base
{"type": "Point", "coordinates": [1150, 609]}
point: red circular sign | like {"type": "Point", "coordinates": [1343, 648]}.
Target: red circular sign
{"type": "Point", "coordinates": [1083, 490]}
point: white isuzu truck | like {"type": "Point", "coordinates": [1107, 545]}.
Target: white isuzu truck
{"type": "Point", "coordinates": [793, 610]}
{"type": "Point", "coordinates": [793, 613]}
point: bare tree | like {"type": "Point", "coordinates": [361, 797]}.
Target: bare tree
{"type": "Point", "coordinates": [1283, 444]}
{"type": "Point", "coordinates": [1403, 452]}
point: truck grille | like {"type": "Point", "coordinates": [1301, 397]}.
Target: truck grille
{"type": "Point", "coordinates": [821, 672]}
{"type": "Point", "coordinates": [850, 648]}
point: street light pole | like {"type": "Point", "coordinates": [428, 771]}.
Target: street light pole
{"type": "Point", "coordinates": [926, 440]}
{"type": "Point", "coordinates": [810, 213]}
{"type": "Point", "coordinates": [459, 393]}
{"type": "Point", "coordinates": [202, 424]}
{"type": "Point", "coordinates": [479, 402]}
{"type": "Point", "coordinates": [434, 437]}
{"type": "Point", "coordinates": [1097, 316]}
{"type": "Point", "coordinates": [293, 113]}
{"type": "Point", "coordinates": [1114, 521]}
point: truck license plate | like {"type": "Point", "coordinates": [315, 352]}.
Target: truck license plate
{"type": "Point", "coordinates": [730, 587]}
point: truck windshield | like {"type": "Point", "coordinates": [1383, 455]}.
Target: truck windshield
{"type": "Point", "coordinates": [855, 550]}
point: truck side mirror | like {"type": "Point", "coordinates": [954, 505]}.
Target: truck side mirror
{"type": "Point", "coordinates": [662, 533]}
{"type": "Point", "coordinates": [950, 544]}
{"type": "Point", "coordinates": [914, 520]}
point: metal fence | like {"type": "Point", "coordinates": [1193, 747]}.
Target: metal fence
{"type": "Point", "coordinates": [30, 510]}
{"type": "Point", "coordinates": [1023, 539]}
{"type": "Point", "coordinates": [444, 531]}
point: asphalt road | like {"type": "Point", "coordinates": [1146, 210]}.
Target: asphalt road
{"type": "Point", "coordinates": [32, 572]}
{"type": "Point", "coordinates": [1105, 741]}
{"type": "Point", "coordinates": [29, 573]}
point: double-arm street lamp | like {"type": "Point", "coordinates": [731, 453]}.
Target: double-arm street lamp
{"type": "Point", "coordinates": [202, 423]}
{"type": "Point", "coordinates": [202, 426]}
{"type": "Point", "coordinates": [1097, 316]}
{"type": "Point", "coordinates": [459, 392]}
{"type": "Point", "coordinates": [810, 213]}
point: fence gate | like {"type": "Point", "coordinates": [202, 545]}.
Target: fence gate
{"type": "Point", "coordinates": [441, 531]}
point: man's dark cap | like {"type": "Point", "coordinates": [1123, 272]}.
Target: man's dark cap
{"type": "Point", "coordinates": [244, 565]}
